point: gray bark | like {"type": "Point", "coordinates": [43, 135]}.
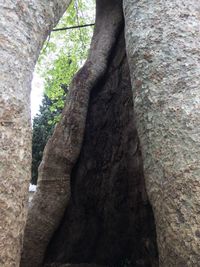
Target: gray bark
{"type": "Point", "coordinates": [163, 45]}
{"type": "Point", "coordinates": [24, 26]}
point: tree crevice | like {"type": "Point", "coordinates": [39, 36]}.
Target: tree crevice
{"type": "Point", "coordinates": [63, 148]}
{"type": "Point", "coordinates": [91, 205]}
{"type": "Point", "coordinates": [108, 220]}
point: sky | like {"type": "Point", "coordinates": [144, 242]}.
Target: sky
{"type": "Point", "coordinates": [36, 94]}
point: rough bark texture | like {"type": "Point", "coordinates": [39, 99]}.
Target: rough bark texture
{"type": "Point", "coordinates": [24, 26]}
{"type": "Point", "coordinates": [62, 150]}
{"type": "Point", "coordinates": [108, 219]}
{"type": "Point", "coordinates": [163, 45]}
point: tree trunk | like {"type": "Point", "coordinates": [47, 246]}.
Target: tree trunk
{"type": "Point", "coordinates": [24, 26]}
{"type": "Point", "coordinates": [163, 46]}
{"type": "Point", "coordinates": [108, 220]}
{"type": "Point", "coordinates": [91, 171]}
{"type": "Point", "coordinates": [63, 148]}
{"type": "Point", "coordinates": [91, 187]}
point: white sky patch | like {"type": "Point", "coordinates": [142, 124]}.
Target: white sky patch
{"type": "Point", "coordinates": [36, 94]}
{"type": "Point", "coordinates": [32, 188]}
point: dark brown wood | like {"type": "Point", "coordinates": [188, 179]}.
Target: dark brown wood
{"type": "Point", "coordinates": [109, 219]}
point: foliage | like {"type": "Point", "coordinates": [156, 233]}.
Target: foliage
{"type": "Point", "coordinates": [62, 55]}
{"type": "Point", "coordinates": [56, 82]}
{"type": "Point", "coordinates": [66, 51]}
{"type": "Point", "coordinates": [42, 129]}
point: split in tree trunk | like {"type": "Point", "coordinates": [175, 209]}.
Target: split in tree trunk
{"type": "Point", "coordinates": [91, 205]}
{"type": "Point", "coordinates": [108, 219]}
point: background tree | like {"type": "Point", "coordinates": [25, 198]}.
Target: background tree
{"type": "Point", "coordinates": [42, 130]}
{"type": "Point", "coordinates": [66, 51]}
{"type": "Point", "coordinates": [59, 60]}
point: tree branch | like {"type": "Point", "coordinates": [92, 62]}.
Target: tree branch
{"type": "Point", "coordinates": [73, 27]}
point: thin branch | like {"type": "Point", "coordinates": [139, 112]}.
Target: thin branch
{"type": "Point", "coordinates": [76, 3]}
{"type": "Point", "coordinates": [73, 27]}
{"type": "Point", "coordinates": [47, 42]}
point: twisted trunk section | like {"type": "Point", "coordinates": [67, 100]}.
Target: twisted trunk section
{"type": "Point", "coordinates": [108, 219]}
{"type": "Point", "coordinates": [63, 148]}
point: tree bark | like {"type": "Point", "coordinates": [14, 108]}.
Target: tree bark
{"type": "Point", "coordinates": [163, 46]}
{"type": "Point", "coordinates": [24, 26]}
{"type": "Point", "coordinates": [163, 51]}
{"type": "Point", "coordinates": [63, 148]}
{"type": "Point", "coordinates": [108, 219]}
{"type": "Point", "coordinates": [91, 172]}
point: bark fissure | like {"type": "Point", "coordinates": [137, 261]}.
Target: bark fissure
{"type": "Point", "coordinates": [162, 40]}
{"type": "Point", "coordinates": [91, 204]}
{"type": "Point", "coordinates": [108, 219]}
